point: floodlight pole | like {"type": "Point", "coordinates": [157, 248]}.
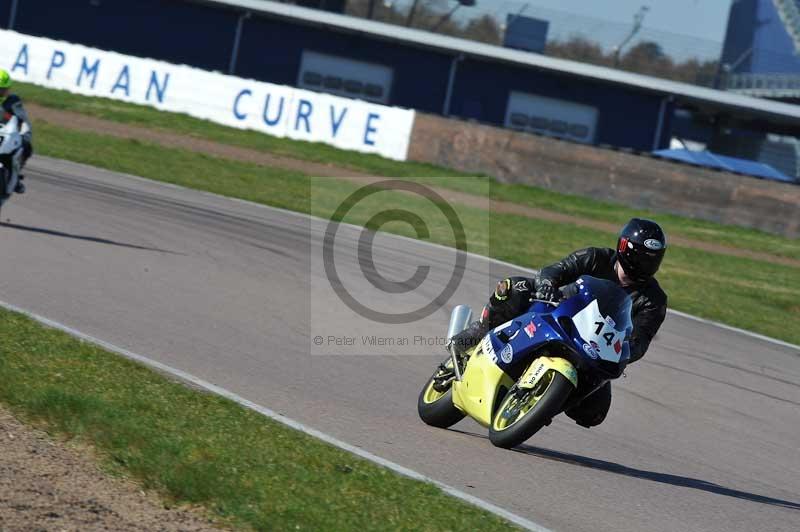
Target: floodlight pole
{"type": "Point", "coordinates": [237, 39]}
{"type": "Point", "coordinates": [446, 17]}
{"type": "Point", "coordinates": [510, 21]}
{"type": "Point", "coordinates": [637, 25]}
{"type": "Point", "coordinates": [728, 68]}
{"type": "Point", "coordinates": [411, 13]}
{"type": "Point", "coordinates": [12, 17]}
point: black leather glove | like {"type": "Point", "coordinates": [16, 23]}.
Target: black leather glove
{"type": "Point", "coordinates": [501, 292]}
{"type": "Point", "coordinates": [546, 290]}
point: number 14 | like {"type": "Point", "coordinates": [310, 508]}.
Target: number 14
{"type": "Point", "coordinates": [608, 337]}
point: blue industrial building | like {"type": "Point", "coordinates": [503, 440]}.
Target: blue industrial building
{"type": "Point", "coordinates": [760, 56]}
{"type": "Point", "coordinates": [359, 58]}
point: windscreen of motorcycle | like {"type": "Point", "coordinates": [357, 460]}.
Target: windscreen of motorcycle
{"type": "Point", "coordinates": [8, 123]}
{"type": "Point", "coordinates": [605, 322]}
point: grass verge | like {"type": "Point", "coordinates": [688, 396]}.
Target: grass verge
{"type": "Point", "coordinates": [197, 448]}
{"type": "Point", "coordinates": [751, 294]}
{"type": "Point", "coordinates": [733, 236]}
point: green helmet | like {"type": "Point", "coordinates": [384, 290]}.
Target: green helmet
{"type": "Point", "coordinates": [5, 79]}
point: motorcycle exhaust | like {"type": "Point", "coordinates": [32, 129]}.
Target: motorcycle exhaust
{"type": "Point", "coordinates": [459, 319]}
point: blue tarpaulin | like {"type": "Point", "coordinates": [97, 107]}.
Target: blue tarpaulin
{"type": "Point", "coordinates": [723, 162]}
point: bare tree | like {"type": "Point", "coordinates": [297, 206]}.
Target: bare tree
{"type": "Point", "coordinates": [484, 29]}
{"type": "Point", "coordinates": [645, 57]}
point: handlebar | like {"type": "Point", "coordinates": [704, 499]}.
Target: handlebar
{"type": "Point", "coordinates": [554, 303]}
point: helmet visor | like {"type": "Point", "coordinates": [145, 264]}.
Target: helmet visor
{"type": "Point", "coordinates": [641, 263]}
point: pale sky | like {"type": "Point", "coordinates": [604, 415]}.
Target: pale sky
{"type": "Point", "coordinates": [704, 19]}
{"type": "Point", "coordinates": [682, 27]}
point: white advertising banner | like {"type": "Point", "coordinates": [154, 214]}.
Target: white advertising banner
{"type": "Point", "coordinates": [276, 110]}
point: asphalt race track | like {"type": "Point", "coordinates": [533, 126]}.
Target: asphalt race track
{"type": "Point", "coordinates": [703, 433]}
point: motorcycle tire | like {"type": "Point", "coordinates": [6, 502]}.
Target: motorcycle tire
{"type": "Point", "coordinates": [3, 183]}
{"type": "Point", "coordinates": [547, 406]}
{"type": "Point", "coordinates": [437, 409]}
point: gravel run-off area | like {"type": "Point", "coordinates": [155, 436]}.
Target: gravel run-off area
{"type": "Point", "coordinates": [50, 485]}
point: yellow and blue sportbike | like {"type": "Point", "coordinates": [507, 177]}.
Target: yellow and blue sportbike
{"type": "Point", "coordinates": [528, 370]}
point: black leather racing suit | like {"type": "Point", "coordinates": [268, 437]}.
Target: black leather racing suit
{"type": "Point", "coordinates": [13, 104]}
{"type": "Point", "coordinates": [647, 313]}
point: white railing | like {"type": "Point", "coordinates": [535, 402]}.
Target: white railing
{"type": "Point", "coordinates": [765, 85]}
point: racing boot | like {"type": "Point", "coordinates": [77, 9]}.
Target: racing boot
{"type": "Point", "coordinates": [491, 316]}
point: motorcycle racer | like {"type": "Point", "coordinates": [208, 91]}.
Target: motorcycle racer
{"type": "Point", "coordinates": [12, 104]}
{"type": "Point", "coordinates": [641, 246]}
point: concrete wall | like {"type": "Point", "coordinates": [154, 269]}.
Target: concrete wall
{"type": "Point", "coordinates": [638, 181]}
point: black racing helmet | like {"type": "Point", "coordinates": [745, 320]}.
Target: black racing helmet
{"type": "Point", "coordinates": [640, 248]}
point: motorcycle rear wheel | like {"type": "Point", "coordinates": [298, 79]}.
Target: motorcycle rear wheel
{"type": "Point", "coordinates": [436, 407]}
{"type": "Point", "coordinates": [3, 182]}
{"type": "Point", "coordinates": [522, 414]}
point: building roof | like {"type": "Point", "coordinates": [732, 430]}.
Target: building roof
{"type": "Point", "coordinates": [789, 13]}
{"type": "Point", "coordinates": [707, 100]}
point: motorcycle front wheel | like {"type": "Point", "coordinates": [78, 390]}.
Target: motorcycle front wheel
{"type": "Point", "coordinates": [524, 411]}
{"type": "Point", "coordinates": [435, 403]}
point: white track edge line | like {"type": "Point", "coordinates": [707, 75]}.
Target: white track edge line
{"type": "Point", "coordinates": [222, 392]}
{"type": "Point", "coordinates": [698, 319]}
{"type": "Point", "coordinates": [735, 329]}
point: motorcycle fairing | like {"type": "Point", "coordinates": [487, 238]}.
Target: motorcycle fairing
{"type": "Point", "coordinates": [480, 387]}
{"type": "Point", "coordinates": [510, 344]}
{"type": "Point", "coordinates": [542, 365]}
{"type": "Point", "coordinates": [596, 300]}
{"type": "Point", "coordinates": [10, 156]}
{"type": "Point", "coordinates": [504, 354]}
{"type": "Point", "coordinates": [499, 360]}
